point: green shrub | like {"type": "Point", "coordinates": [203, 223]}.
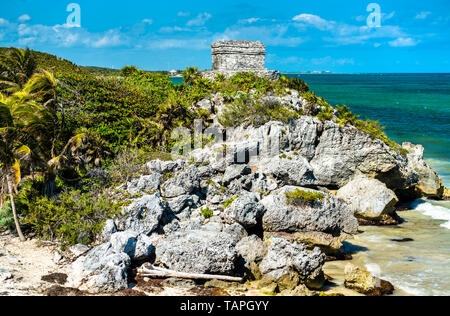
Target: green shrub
{"type": "Point", "coordinates": [325, 113]}
{"type": "Point", "coordinates": [302, 198]}
{"type": "Point", "coordinates": [376, 131]}
{"type": "Point", "coordinates": [74, 218]}
{"type": "Point", "coordinates": [206, 212]}
{"type": "Point", "coordinates": [228, 203]}
{"type": "Point", "coordinates": [6, 217]}
{"type": "Point", "coordinates": [345, 116]}
{"type": "Point", "coordinates": [248, 111]}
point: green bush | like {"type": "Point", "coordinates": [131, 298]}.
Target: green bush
{"type": "Point", "coordinates": [302, 198]}
{"type": "Point", "coordinates": [228, 203]}
{"type": "Point", "coordinates": [206, 212]}
{"type": "Point", "coordinates": [74, 218]}
{"type": "Point", "coordinates": [248, 111]}
{"type": "Point", "coordinates": [6, 217]}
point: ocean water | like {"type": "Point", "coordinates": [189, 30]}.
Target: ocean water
{"type": "Point", "coordinates": [413, 108]}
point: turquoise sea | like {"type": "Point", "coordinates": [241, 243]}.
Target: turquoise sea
{"type": "Point", "coordinates": [412, 107]}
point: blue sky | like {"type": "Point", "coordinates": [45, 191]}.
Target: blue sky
{"type": "Point", "coordinates": [414, 36]}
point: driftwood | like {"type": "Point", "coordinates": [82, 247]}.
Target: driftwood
{"type": "Point", "coordinates": [156, 272]}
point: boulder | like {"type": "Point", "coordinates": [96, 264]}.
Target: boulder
{"type": "Point", "coordinates": [245, 210]}
{"type": "Point", "coordinates": [344, 152]}
{"type": "Point", "coordinates": [144, 248]}
{"type": "Point", "coordinates": [288, 168]}
{"type": "Point", "coordinates": [142, 215]}
{"type": "Point", "coordinates": [328, 244]}
{"type": "Point", "coordinates": [233, 172]}
{"type": "Point", "coordinates": [290, 264]}
{"type": "Point", "coordinates": [124, 242]}
{"type": "Point", "coordinates": [236, 231]}
{"type": "Point", "coordinates": [108, 229]}
{"type": "Point", "coordinates": [198, 251]}
{"type": "Point", "coordinates": [368, 198]}
{"type": "Point", "coordinates": [186, 182]}
{"type": "Point", "coordinates": [252, 250]}
{"type": "Point", "coordinates": [164, 167]}
{"type": "Point", "coordinates": [79, 249]}
{"type": "Point", "coordinates": [146, 184]}
{"type": "Point", "coordinates": [362, 281]}
{"type": "Point", "coordinates": [328, 215]}
{"type": "Point", "coordinates": [300, 290]}
{"type": "Point", "coordinates": [430, 185]}
{"type": "Point", "coordinates": [102, 270]}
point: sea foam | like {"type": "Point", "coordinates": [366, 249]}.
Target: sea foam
{"type": "Point", "coordinates": [434, 211]}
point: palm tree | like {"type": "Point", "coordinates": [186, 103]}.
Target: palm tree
{"type": "Point", "coordinates": [17, 113]}
{"type": "Point", "coordinates": [16, 68]}
{"type": "Point", "coordinates": [190, 74]}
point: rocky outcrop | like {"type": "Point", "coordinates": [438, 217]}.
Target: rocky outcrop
{"type": "Point", "coordinates": [198, 251]}
{"type": "Point", "coordinates": [329, 215]}
{"type": "Point", "coordinates": [290, 264]}
{"type": "Point", "coordinates": [142, 215]}
{"type": "Point", "coordinates": [429, 184]}
{"type": "Point", "coordinates": [245, 210]}
{"type": "Point", "coordinates": [103, 270]}
{"type": "Point", "coordinates": [252, 250]}
{"type": "Point", "coordinates": [368, 198]}
{"type": "Point", "coordinates": [362, 281]}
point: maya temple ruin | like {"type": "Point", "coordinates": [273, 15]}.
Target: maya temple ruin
{"type": "Point", "coordinates": [231, 57]}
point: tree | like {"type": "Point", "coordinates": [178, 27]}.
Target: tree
{"type": "Point", "coordinates": [17, 113]}
{"type": "Point", "coordinates": [190, 75]}
{"type": "Point", "coordinates": [16, 68]}
{"type": "Point", "coordinates": [128, 71]}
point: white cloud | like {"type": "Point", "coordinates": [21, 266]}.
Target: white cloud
{"type": "Point", "coordinates": [423, 15]}
{"type": "Point", "coordinates": [147, 21]}
{"type": "Point", "coordinates": [173, 29]}
{"type": "Point", "coordinates": [250, 20]}
{"type": "Point", "coordinates": [388, 16]}
{"type": "Point", "coordinates": [314, 20]}
{"type": "Point", "coordinates": [273, 35]}
{"type": "Point", "coordinates": [3, 22]}
{"type": "Point", "coordinates": [200, 20]}
{"type": "Point", "coordinates": [24, 18]}
{"type": "Point", "coordinates": [184, 13]}
{"type": "Point", "coordinates": [403, 42]}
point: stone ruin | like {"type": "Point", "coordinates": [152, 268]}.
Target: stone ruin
{"type": "Point", "coordinates": [231, 57]}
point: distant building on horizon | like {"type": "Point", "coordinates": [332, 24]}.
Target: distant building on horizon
{"type": "Point", "coordinates": [173, 73]}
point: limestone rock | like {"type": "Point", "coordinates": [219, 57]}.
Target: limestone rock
{"type": "Point", "coordinates": [102, 270]}
{"type": "Point", "coordinates": [344, 152]}
{"type": "Point", "coordinates": [430, 185]}
{"type": "Point", "coordinates": [290, 264]}
{"type": "Point", "coordinates": [245, 210]}
{"type": "Point", "coordinates": [300, 290]}
{"type": "Point", "coordinates": [362, 281]}
{"type": "Point", "coordinates": [146, 183]}
{"type": "Point", "coordinates": [142, 215]}
{"type": "Point", "coordinates": [186, 182]}
{"type": "Point", "coordinates": [252, 250]}
{"type": "Point", "coordinates": [109, 229]}
{"type": "Point", "coordinates": [79, 249]}
{"type": "Point", "coordinates": [290, 169]}
{"type": "Point", "coordinates": [235, 171]}
{"type": "Point", "coordinates": [198, 251]}
{"type": "Point", "coordinates": [368, 198]}
{"type": "Point", "coordinates": [329, 216]}
{"type": "Point", "coordinates": [164, 167]}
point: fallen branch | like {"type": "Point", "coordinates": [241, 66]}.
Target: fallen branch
{"type": "Point", "coordinates": [157, 272]}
